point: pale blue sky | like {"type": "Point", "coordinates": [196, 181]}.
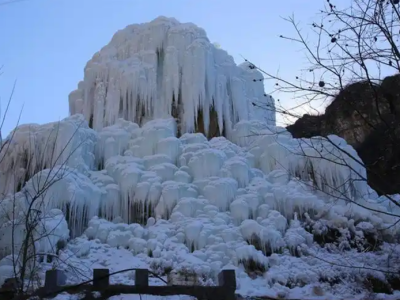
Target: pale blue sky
{"type": "Point", "coordinates": [45, 44]}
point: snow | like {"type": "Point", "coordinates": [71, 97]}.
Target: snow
{"type": "Point", "coordinates": [288, 215]}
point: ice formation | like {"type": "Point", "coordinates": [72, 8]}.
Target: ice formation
{"type": "Point", "coordinates": [256, 200]}
{"type": "Point", "coordinates": [31, 148]}
{"type": "Point", "coordinates": [153, 193]}
{"type": "Point", "coordinates": [165, 68]}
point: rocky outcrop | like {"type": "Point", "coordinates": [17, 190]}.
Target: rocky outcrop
{"type": "Point", "coordinates": [368, 118]}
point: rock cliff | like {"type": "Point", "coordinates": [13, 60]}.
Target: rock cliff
{"type": "Point", "coordinates": [368, 118]}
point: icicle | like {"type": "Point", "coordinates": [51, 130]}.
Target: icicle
{"type": "Point", "coordinates": [32, 148]}
{"type": "Point", "coordinates": [221, 192]}
{"type": "Point", "coordinates": [139, 74]}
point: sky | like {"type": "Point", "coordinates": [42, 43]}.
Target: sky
{"type": "Point", "coordinates": [45, 44]}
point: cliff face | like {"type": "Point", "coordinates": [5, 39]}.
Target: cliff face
{"type": "Point", "coordinates": [368, 118]}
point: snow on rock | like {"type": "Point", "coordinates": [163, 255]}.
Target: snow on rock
{"type": "Point", "coordinates": [146, 69]}
{"type": "Point", "coordinates": [296, 236]}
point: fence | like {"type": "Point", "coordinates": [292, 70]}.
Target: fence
{"type": "Point", "coordinates": [55, 283]}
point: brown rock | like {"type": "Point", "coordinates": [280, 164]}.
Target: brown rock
{"type": "Point", "coordinates": [213, 130]}
{"type": "Point", "coordinates": [368, 118]}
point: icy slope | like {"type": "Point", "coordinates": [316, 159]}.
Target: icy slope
{"type": "Point", "coordinates": [165, 68]}
{"type": "Point", "coordinates": [193, 205]}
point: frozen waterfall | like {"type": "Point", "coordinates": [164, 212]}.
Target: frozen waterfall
{"type": "Point", "coordinates": [165, 68]}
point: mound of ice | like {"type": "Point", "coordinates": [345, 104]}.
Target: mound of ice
{"type": "Point", "coordinates": [165, 68]}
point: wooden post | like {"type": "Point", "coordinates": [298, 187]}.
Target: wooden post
{"type": "Point", "coordinates": [101, 278]}
{"type": "Point", "coordinates": [55, 279]}
{"type": "Point", "coordinates": [142, 278]}
{"type": "Point", "coordinates": [227, 280]}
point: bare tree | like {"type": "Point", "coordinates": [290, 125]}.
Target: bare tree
{"type": "Point", "coordinates": [357, 43]}
{"type": "Point", "coordinates": [25, 216]}
{"type": "Point", "coordinates": [348, 47]}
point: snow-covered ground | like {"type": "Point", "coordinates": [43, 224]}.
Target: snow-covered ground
{"type": "Point", "coordinates": [124, 195]}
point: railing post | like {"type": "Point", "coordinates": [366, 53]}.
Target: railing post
{"type": "Point", "coordinates": [101, 278]}
{"type": "Point", "coordinates": [142, 278]}
{"type": "Point", "coordinates": [227, 280]}
{"type": "Point", "coordinates": [55, 279]}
